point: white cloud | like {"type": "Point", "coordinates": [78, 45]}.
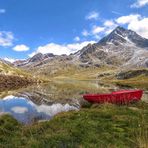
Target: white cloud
{"type": "Point", "coordinates": [77, 38]}
{"type": "Point", "coordinates": [75, 47]}
{"type": "Point", "coordinates": [2, 11]}
{"type": "Point", "coordinates": [139, 3]}
{"type": "Point", "coordinates": [140, 26]}
{"type": "Point", "coordinates": [6, 38]}
{"type": "Point", "coordinates": [92, 16]}
{"type": "Point", "coordinates": [53, 48]}
{"type": "Point", "coordinates": [109, 25]}
{"type": "Point", "coordinates": [10, 60]}
{"type": "Point", "coordinates": [128, 18]}
{"type": "Point", "coordinates": [85, 33]}
{"type": "Point", "coordinates": [21, 47]}
{"type": "Point", "coordinates": [136, 23]}
{"type": "Point", "coordinates": [97, 29]}
{"type": "Point", "coordinates": [19, 110]}
{"type": "Point", "coordinates": [58, 49]}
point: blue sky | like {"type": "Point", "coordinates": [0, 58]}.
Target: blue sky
{"type": "Point", "coordinates": [64, 26]}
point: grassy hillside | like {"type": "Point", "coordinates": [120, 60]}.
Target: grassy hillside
{"type": "Point", "coordinates": [84, 73]}
{"type": "Point", "coordinates": [137, 78]}
{"type": "Point", "coordinates": [14, 78]}
{"type": "Point", "coordinates": [98, 126]}
{"type": "Point", "coordinates": [133, 78]}
{"type": "Point", "coordinates": [10, 70]}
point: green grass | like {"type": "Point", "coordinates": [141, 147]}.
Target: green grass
{"type": "Point", "coordinates": [98, 126]}
{"type": "Point", "coordinates": [136, 82]}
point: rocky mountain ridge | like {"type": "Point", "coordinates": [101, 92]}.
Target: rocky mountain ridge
{"type": "Point", "coordinates": [121, 48]}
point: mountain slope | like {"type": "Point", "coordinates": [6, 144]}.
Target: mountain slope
{"type": "Point", "coordinates": [34, 61]}
{"type": "Point", "coordinates": [122, 48]}
{"type": "Point", "coordinates": [122, 35]}
{"type": "Point", "coordinates": [13, 78]}
{"type": "Point", "coordinates": [8, 69]}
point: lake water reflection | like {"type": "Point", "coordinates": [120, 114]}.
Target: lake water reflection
{"type": "Point", "coordinates": [42, 102]}
{"type": "Point", "coordinates": [26, 111]}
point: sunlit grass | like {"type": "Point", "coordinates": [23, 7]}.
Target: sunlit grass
{"type": "Point", "coordinates": [98, 126]}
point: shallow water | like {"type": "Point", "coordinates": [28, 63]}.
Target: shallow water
{"type": "Point", "coordinates": [42, 102]}
{"type": "Point", "coordinates": [26, 111]}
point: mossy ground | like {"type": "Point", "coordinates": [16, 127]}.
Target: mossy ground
{"type": "Point", "coordinates": [98, 126]}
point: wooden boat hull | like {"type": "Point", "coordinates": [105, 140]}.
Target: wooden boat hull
{"type": "Point", "coordinates": [118, 97]}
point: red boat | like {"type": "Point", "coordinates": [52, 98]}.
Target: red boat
{"type": "Point", "coordinates": [117, 97]}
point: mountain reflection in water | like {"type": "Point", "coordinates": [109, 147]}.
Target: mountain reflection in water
{"type": "Point", "coordinates": [26, 111]}
{"type": "Point", "coordinates": [42, 102]}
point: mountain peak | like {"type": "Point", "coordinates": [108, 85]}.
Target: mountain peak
{"type": "Point", "coordinates": [121, 35]}
{"type": "Point", "coordinates": [116, 36]}
{"type": "Point", "coordinates": [36, 57]}
{"type": "Point", "coordinates": [119, 28]}
{"type": "Point", "coordinates": [121, 31]}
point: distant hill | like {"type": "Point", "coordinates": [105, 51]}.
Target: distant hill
{"type": "Point", "coordinates": [7, 68]}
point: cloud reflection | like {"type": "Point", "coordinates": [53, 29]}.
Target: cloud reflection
{"type": "Point", "coordinates": [19, 110]}
{"type": "Point", "coordinates": [26, 111]}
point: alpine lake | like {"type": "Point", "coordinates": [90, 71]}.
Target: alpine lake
{"type": "Point", "coordinates": [43, 101]}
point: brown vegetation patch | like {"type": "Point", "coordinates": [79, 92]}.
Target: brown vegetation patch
{"type": "Point", "coordinates": [13, 82]}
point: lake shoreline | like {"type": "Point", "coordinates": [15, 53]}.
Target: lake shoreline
{"type": "Point", "coordinates": [11, 82]}
{"type": "Point", "coordinates": [94, 125]}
